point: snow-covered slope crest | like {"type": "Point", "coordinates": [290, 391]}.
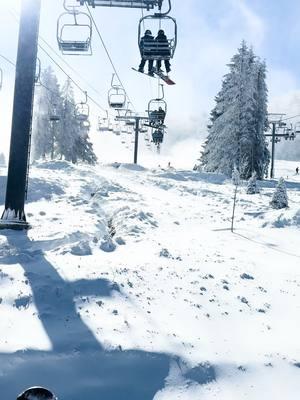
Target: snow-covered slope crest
{"type": "Point", "coordinates": [130, 286]}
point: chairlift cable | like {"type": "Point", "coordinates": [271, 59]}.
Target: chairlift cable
{"type": "Point", "coordinates": [7, 60]}
{"type": "Point", "coordinates": [107, 52]}
{"type": "Point", "coordinates": [58, 65]}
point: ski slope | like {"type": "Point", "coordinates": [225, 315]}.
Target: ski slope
{"type": "Point", "coordinates": [130, 286]}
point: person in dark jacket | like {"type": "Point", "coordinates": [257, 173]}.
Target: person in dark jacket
{"type": "Point", "coordinates": [163, 50]}
{"type": "Point", "coordinates": [146, 46]}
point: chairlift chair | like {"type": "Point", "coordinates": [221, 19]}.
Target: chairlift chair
{"type": "Point", "coordinates": [74, 22]}
{"type": "Point", "coordinates": [158, 136]}
{"type": "Point", "coordinates": [144, 4]}
{"type": "Point", "coordinates": [82, 110]}
{"type": "Point", "coordinates": [116, 96]}
{"type": "Point", "coordinates": [297, 127]}
{"type": "Point", "coordinates": [157, 50]}
{"type": "Point", "coordinates": [157, 110]}
{"type": "Point", "coordinates": [38, 69]}
{"type": "Point", "coordinates": [54, 117]}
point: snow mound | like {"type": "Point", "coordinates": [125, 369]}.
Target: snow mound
{"type": "Point", "coordinates": [132, 167]}
{"type": "Point", "coordinates": [288, 219]}
{"type": "Point", "coordinates": [55, 165]}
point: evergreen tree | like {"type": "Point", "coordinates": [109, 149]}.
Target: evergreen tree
{"type": "Point", "coordinates": [70, 127]}
{"type": "Point", "coordinates": [73, 144]}
{"type": "Point", "coordinates": [239, 119]}
{"type": "Point", "coordinates": [280, 198]}
{"type": "Point", "coordinates": [252, 185]}
{"type": "Point", "coordinates": [47, 97]}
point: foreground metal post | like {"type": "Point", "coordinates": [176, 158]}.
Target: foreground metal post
{"type": "Point", "coordinates": [273, 149]}
{"type": "Point", "coordinates": [136, 140]}
{"type": "Point", "coordinates": [13, 216]}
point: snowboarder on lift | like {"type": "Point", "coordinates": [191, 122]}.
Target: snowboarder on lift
{"type": "Point", "coordinates": [163, 50]}
{"type": "Point", "coordinates": [146, 45]}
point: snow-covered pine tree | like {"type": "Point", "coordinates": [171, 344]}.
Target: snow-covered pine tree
{"type": "Point", "coordinates": [83, 146]}
{"type": "Point", "coordinates": [252, 185]}
{"type": "Point", "coordinates": [73, 143]}
{"type": "Point", "coordinates": [46, 97]}
{"type": "Point", "coordinates": [236, 133]}
{"type": "Point", "coordinates": [280, 198]}
{"type": "Point", "coordinates": [70, 127]}
{"type": "Point", "coordinates": [2, 160]}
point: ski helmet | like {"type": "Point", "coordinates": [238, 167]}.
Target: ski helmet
{"type": "Point", "coordinates": [37, 393]}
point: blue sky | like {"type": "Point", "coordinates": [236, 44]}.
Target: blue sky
{"type": "Point", "coordinates": [209, 33]}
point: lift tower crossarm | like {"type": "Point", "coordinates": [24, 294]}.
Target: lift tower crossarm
{"type": "Point", "coordinates": [137, 119]}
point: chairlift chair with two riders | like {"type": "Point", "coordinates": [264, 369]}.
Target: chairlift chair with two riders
{"type": "Point", "coordinates": [74, 31]}
{"type": "Point", "coordinates": [157, 110]}
{"type": "Point", "coordinates": [158, 136]}
{"type": "Point", "coordinates": [82, 110]}
{"type": "Point", "coordinates": [144, 4]}
{"type": "Point", "coordinates": [116, 96]}
{"type": "Point", "coordinates": [156, 50]}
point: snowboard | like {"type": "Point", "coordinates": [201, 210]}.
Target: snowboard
{"type": "Point", "coordinates": [37, 393]}
{"type": "Point", "coordinates": [162, 76]}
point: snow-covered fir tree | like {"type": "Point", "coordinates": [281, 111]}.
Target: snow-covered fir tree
{"type": "Point", "coordinates": [2, 160]}
{"type": "Point", "coordinates": [44, 132]}
{"type": "Point", "coordinates": [280, 198]}
{"type": "Point", "coordinates": [252, 187]}
{"type": "Point", "coordinates": [83, 146]}
{"type": "Point", "coordinates": [73, 142]}
{"type": "Point", "coordinates": [239, 120]}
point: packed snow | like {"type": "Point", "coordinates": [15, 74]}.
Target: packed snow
{"type": "Point", "coordinates": [130, 286]}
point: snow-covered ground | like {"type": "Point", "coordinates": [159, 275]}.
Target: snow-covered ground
{"type": "Point", "coordinates": [130, 286]}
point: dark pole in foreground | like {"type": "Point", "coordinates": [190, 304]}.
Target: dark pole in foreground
{"type": "Point", "coordinates": [136, 141]}
{"type": "Point", "coordinates": [14, 216]}
{"type": "Point", "coordinates": [273, 148]}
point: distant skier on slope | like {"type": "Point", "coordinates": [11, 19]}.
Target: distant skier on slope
{"type": "Point", "coordinates": [163, 50]}
{"type": "Point", "coordinates": [297, 171]}
{"type": "Point", "coordinates": [146, 46]}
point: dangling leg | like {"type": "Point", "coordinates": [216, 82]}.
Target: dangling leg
{"type": "Point", "coordinates": [158, 65]}
{"type": "Point", "coordinates": [142, 65]}
{"type": "Point", "coordinates": [150, 67]}
{"type": "Point", "coordinates": [167, 66]}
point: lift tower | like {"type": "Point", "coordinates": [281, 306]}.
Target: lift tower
{"type": "Point", "coordinates": [13, 216]}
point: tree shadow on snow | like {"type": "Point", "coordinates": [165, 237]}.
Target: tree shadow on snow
{"type": "Point", "coordinates": [77, 367]}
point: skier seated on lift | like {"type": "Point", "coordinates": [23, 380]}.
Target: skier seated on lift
{"type": "Point", "coordinates": [163, 50]}
{"type": "Point", "coordinates": [157, 116]}
{"type": "Point", "coordinates": [146, 46]}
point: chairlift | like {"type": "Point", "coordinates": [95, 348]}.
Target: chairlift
{"type": "Point", "coordinates": [82, 110]}
{"type": "Point", "coordinates": [54, 117]}
{"type": "Point", "coordinates": [158, 136]}
{"type": "Point", "coordinates": [297, 127]}
{"type": "Point", "coordinates": [74, 32]}
{"type": "Point", "coordinates": [157, 110]}
{"type": "Point", "coordinates": [144, 4]}
{"type": "Point", "coordinates": [38, 69]}
{"type": "Point", "coordinates": [116, 95]}
{"type": "Point", "coordinates": [156, 50]}
{"type": "Point", "coordinates": [1, 78]}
